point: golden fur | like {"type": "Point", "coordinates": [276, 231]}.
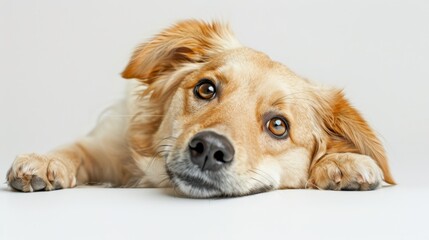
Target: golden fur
{"type": "Point", "coordinates": [329, 145]}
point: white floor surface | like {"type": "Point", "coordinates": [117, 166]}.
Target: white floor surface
{"type": "Point", "coordinates": [398, 212]}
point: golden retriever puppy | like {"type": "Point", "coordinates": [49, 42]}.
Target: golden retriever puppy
{"type": "Point", "coordinates": [213, 118]}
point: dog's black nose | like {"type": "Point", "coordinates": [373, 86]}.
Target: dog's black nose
{"type": "Point", "coordinates": [210, 151]}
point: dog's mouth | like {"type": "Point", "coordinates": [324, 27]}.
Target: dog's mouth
{"type": "Point", "coordinates": [190, 181]}
{"type": "Point", "coordinates": [197, 183]}
{"type": "Point", "coordinates": [194, 186]}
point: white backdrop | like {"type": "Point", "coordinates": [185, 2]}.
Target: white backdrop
{"type": "Point", "coordinates": [60, 63]}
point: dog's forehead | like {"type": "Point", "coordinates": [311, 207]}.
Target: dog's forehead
{"type": "Point", "coordinates": [243, 59]}
{"type": "Point", "coordinates": [256, 70]}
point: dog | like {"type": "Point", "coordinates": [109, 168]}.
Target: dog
{"type": "Point", "coordinates": [212, 118]}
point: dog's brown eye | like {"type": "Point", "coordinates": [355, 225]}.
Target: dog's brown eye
{"type": "Point", "coordinates": [205, 89]}
{"type": "Point", "coordinates": [278, 127]}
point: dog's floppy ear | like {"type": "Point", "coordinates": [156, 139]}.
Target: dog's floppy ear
{"type": "Point", "coordinates": [188, 41]}
{"type": "Point", "coordinates": [347, 131]}
{"type": "Point", "coordinates": [161, 64]}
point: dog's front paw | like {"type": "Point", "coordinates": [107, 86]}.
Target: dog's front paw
{"type": "Point", "coordinates": [35, 172]}
{"type": "Point", "coordinates": [346, 171]}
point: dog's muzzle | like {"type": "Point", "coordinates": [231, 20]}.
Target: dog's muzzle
{"type": "Point", "coordinates": [210, 151]}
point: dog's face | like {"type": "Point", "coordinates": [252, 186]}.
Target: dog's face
{"type": "Point", "coordinates": [231, 120]}
{"type": "Point", "coordinates": [238, 128]}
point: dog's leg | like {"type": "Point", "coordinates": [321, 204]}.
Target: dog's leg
{"type": "Point", "coordinates": [97, 158]}
{"type": "Point", "coordinates": [345, 171]}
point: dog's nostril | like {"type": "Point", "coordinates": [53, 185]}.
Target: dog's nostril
{"type": "Point", "coordinates": [197, 147]}
{"type": "Point", "coordinates": [219, 156]}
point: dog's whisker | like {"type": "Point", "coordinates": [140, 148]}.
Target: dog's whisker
{"type": "Point", "coordinates": [165, 146]}
{"type": "Point", "coordinates": [171, 138]}
{"type": "Point", "coordinates": [262, 183]}
{"type": "Point", "coordinates": [157, 154]}
{"type": "Point", "coordinates": [165, 179]}
{"type": "Point", "coordinates": [307, 183]}
{"type": "Point", "coordinates": [312, 101]}
{"type": "Point", "coordinates": [264, 187]}
{"type": "Point", "coordinates": [159, 150]}
{"type": "Point", "coordinates": [266, 177]}
{"type": "Point", "coordinates": [292, 96]}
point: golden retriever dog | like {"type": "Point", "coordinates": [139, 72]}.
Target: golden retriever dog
{"type": "Point", "coordinates": [212, 118]}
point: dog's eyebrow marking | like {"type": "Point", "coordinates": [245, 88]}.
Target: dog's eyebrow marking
{"type": "Point", "coordinates": [279, 99]}
{"type": "Point", "coordinates": [214, 74]}
{"type": "Point", "coordinates": [280, 102]}
{"type": "Point", "coordinates": [220, 76]}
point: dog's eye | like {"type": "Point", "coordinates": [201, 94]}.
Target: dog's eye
{"type": "Point", "coordinates": [278, 127]}
{"type": "Point", "coordinates": [205, 89]}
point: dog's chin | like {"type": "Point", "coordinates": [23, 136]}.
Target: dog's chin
{"type": "Point", "coordinates": [191, 182]}
{"type": "Point", "coordinates": [194, 187]}
{"type": "Point", "coordinates": [196, 191]}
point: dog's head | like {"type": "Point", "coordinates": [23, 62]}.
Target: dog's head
{"type": "Point", "coordinates": [230, 121]}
